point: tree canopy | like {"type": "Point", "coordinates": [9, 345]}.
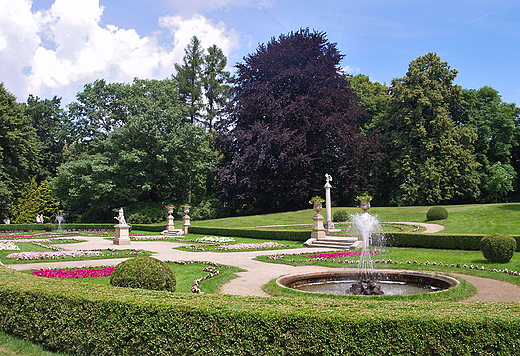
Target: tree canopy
{"type": "Point", "coordinates": [152, 157]}
{"type": "Point", "coordinates": [293, 118]}
{"type": "Point", "coordinates": [431, 157]}
{"type": "Point", "coordinates": [18, 149]}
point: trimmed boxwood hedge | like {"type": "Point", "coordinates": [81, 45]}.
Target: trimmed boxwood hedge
{"type": "Point", "coordinates": [440, 241]}
{"type": "Point", "coordinates": [253, 233]}
{"type": "Point", "coordinates": [38, 227]}
{"type": "Point", "coordinates": [84, 319]}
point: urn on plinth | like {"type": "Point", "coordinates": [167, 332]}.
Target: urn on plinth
{"type": "Point", "coordinates": [365, 205]}
{"type": "Point", "coordinates": [186, 219]}
{"type": "Point", "coordinates": [318, 231]}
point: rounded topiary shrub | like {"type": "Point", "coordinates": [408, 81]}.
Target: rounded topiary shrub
{"type": "Point", "coordinates": [437, 213]}
{"type": "Point", "coordinates": [144, 272]}
{"type": "Point", "coordinates": [340, 216]}
{"type": "Point", "coordinates": [498, 248]}
{"type": "Point", "coordinates": [48, 227]}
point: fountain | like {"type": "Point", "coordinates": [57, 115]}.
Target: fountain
{"type": "Point", "coordinates": [59, 219]}
{"type": "Point", "coordinates": [365, 224]}
{"type": "Point", "coordinates": [366, 281]}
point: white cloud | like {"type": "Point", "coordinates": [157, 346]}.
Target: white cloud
{"type": "Point", "coordinates": [351, 70]}
{"type": "Point", "coordinates": [55, 51]}
{"type": "Point", "coordinates": [207, 32]}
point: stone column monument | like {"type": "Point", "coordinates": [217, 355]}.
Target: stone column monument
{"type": "Point", "coordinates": [122, 230]}
{"type": "Point", "coordinates": [328, 225]}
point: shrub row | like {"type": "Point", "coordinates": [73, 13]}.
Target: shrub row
{"type": "Point", "coordinates": [440, 241]}
{"type": "Point", "coordinates": [151, 228]}
{"type": "Point", "coordinates": [84, 319]}
{"type": "Point", "coordinates": [253, 233]}
{"type": "Point", "coordinates": [82, 226]}
{"type": "Point", "coordinates": [40, 227]}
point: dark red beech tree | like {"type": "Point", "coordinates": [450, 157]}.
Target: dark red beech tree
{"type": "Point", "coordinates": [293, 119]}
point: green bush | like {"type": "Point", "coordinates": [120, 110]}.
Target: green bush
{"type": "Point", "coordinates": [145, 213]}
{"type": "Point", "coordinates": [340, 216]}
{"type": "Point", "coordinates": [144, 272]}
{"type": "Point", "coordinates": [48, 227]}
{"type": "Point", "coordinates": [498, 248]}
{"type": "Point", "coordinates": [84, 319]}
{"type": "Point", "coordinates": [437, 213]}
{"type": "Point", "coordinates": [289, 235]}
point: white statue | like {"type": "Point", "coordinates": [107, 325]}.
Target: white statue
{"type": "Point", "coordinates": [328, 177]}
{"type": "Point", "coordinates": [121, 217]}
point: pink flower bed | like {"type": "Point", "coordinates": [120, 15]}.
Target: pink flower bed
{"type": "Point", "coordinates": [52, 255]}
{"type": "Point", "coordinates": [26, 240]}
{"type": "Point", "coordinates": [251, 246]}
{"type": "Point", "coordinates": [16, 237]}
{"type": "Point", "coordinates": [78, 273]}
{"type": "Point", "coordinates": [344, 254]}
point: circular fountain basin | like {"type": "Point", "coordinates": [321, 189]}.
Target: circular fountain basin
{"type": "Point", "coordinates": [392, 282]}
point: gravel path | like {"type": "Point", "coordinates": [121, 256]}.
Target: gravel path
{"type": "Point", "coordinates": [257, 273]}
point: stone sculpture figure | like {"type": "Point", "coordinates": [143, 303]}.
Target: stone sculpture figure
{"type": "Point", "coordinates": [121, 217]}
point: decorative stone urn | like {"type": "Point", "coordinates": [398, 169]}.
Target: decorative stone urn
{"type": "Point", "coordinates": [186, 219]}
{"type": "Point", "coordinates": [318, 231]}
{"type": "Point", "coordinates": [365, 204]}
{"type": "Point", "coordinates": [170, 226]}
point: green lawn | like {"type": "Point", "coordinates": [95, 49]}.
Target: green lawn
{"type": "Point", "coordinates": [462, 219]}
{"type": "Point", "coordinates": [13, 346]}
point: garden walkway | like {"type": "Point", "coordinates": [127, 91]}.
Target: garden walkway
{"type": "Point", "coordinates": [256, 273]}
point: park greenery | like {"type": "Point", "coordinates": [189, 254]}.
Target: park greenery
{"type": "Point", "coordinates": [258, 142]}
{"type": "Point", "coordinates": [261, 143]}
{"type": "Point", "coordinates": [87, 315]}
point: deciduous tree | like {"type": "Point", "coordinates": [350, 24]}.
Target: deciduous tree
{"type": "Point", "coordinates": [18, 149]}
{"type": "Point", "coordinates": [431, 157]}
{"type": "Point", "coordinates": [293, 118]}
{"type": "Point", "coordinates": [151, 158]}
{"type": "Point", "coordinates": [53, 132]}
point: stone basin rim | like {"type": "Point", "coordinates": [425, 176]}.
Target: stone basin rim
{"type": "Point", "coordinates": [293, 280]}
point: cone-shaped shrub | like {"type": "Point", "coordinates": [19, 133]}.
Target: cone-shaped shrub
{"type": "Point", "coordinates": [498, 248]}
{"type": "Point", "coordinates": [144, 272]}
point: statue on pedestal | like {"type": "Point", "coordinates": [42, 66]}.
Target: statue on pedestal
{"type": "Point", "coordinates": [121, 217]}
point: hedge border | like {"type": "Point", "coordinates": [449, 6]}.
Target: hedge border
{"type": "Point", "coordinates": [288, 235]}
{"type": "Point", "coordinates": [439, 241]}
{"type": "Point", "coordinates": [84, 319]}
{"type": "Point", "coordinates": [395, 239]}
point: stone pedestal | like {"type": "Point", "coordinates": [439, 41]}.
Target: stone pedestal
{"type": "Point", "coordinates": [122, 234]}
{"type": "Point", "coordinates": [170, 226]}
{"type": "Point", "coordinates": [318, 232]}
{"type": "Point", "coordinates": [186, 220]}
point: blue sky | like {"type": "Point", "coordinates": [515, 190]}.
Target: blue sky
{"type": "Point", "coordinates": [54, 47]}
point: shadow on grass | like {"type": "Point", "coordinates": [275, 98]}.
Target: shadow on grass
{"type": "Point", "coordinates": [510, 207]}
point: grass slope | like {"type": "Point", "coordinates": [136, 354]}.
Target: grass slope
{"type": "Point", "coordinates": [462, 219]}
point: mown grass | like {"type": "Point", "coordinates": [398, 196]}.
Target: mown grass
{"type": "Point", "coordinates": [185, 276]}
{"type": "Point", "coordinates": [462, 219]}
{"type": "Point", "coordinates": [405, 258]}
{"type": "Point", "coordinates": [463, 291]}
{"type": "Point", "coordinates": [13, 346]}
